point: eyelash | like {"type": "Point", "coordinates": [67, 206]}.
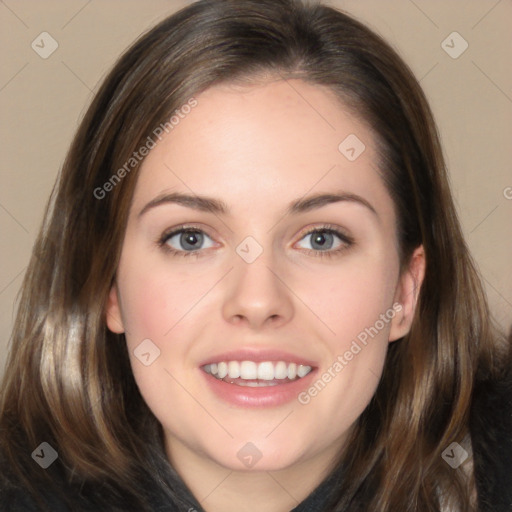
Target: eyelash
{"type": "Point", "coordinates": [347, 241]}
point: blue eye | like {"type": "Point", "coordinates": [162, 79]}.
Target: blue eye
{"type": "Point", "coordinates": [323, 240]}
{"type": "Point", "coordinates": [185, 241]}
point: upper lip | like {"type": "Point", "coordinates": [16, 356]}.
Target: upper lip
{"type": "Point", "coordinates": [258, 355]}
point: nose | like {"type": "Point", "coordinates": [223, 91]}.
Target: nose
{"type": "Point", "coordinates": [257, 295]}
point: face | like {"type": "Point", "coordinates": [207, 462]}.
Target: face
{"type": "Point", "coordinates": [259, 283]}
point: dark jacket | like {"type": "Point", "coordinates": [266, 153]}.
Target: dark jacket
{"type": "Point", "coordinates": [491, 435]}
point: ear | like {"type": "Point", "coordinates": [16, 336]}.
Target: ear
{"type": "Point", "coordinates": [406, 295]}
{"type": "Point", "coordinates": [113, 312]}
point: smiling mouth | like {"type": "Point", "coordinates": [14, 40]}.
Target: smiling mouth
{"type": "Point", "coordinates": [253, 374]}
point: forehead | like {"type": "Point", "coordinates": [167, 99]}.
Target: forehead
{"type": "Point", "coordinates": [260, 144]}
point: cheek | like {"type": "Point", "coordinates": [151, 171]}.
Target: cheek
{"type": "Point", "coordinates": [356, 305]}
{"type": "Point", "coordinates": [156, 306]}
{"type": "Point", "coordinates": [350, 298]}
{"type": "Point", "coordinates": [148, 310]}
{"type": "Point", "coordinates": [162, 303]}
{"type": "Point", "coordinates": [155, 297]}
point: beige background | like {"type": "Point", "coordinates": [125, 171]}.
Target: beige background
{"type": "Point", "coordinates": [42, 100]}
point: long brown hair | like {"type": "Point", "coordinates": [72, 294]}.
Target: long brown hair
{"type": "Point", "coordinates": [68, 380]}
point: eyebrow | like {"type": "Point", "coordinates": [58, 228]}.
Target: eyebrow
{"type": "Point", "coordinates": [218, 207]}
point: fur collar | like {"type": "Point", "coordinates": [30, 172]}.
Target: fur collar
{"type": "Point", "coordinates": [491, 438]}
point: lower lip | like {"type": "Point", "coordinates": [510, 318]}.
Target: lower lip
{"type": "Point", "coordinates": [264, 396]}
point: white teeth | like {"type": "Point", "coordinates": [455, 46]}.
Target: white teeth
{"type": "Point", "coordinates": [222, 370]}
{"type": "Point", "coordinates": [233, 370]}
{"type": "Point", "coordinates": [281, 370]}
{"type": "Point", "coordinates": [266, 371]}
{"type": "Point", "coordinates": [250, 371]}
{"type": "Point", "coordinates": [302, 370]}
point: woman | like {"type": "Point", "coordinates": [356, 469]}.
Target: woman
{"type": "Point", "coordinates": [251, 289]}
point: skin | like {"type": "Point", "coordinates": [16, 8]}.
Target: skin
{"type": "Point", "coordinates": [257, 148]}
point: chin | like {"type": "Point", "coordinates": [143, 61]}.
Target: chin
{"type": "Point", "coordinates": [256, 456]}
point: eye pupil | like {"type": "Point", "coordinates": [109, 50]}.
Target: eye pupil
{"type": "Point", "coordinates": [190, 239]}
{"type": "Point", "coordinates": [322, 239]}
